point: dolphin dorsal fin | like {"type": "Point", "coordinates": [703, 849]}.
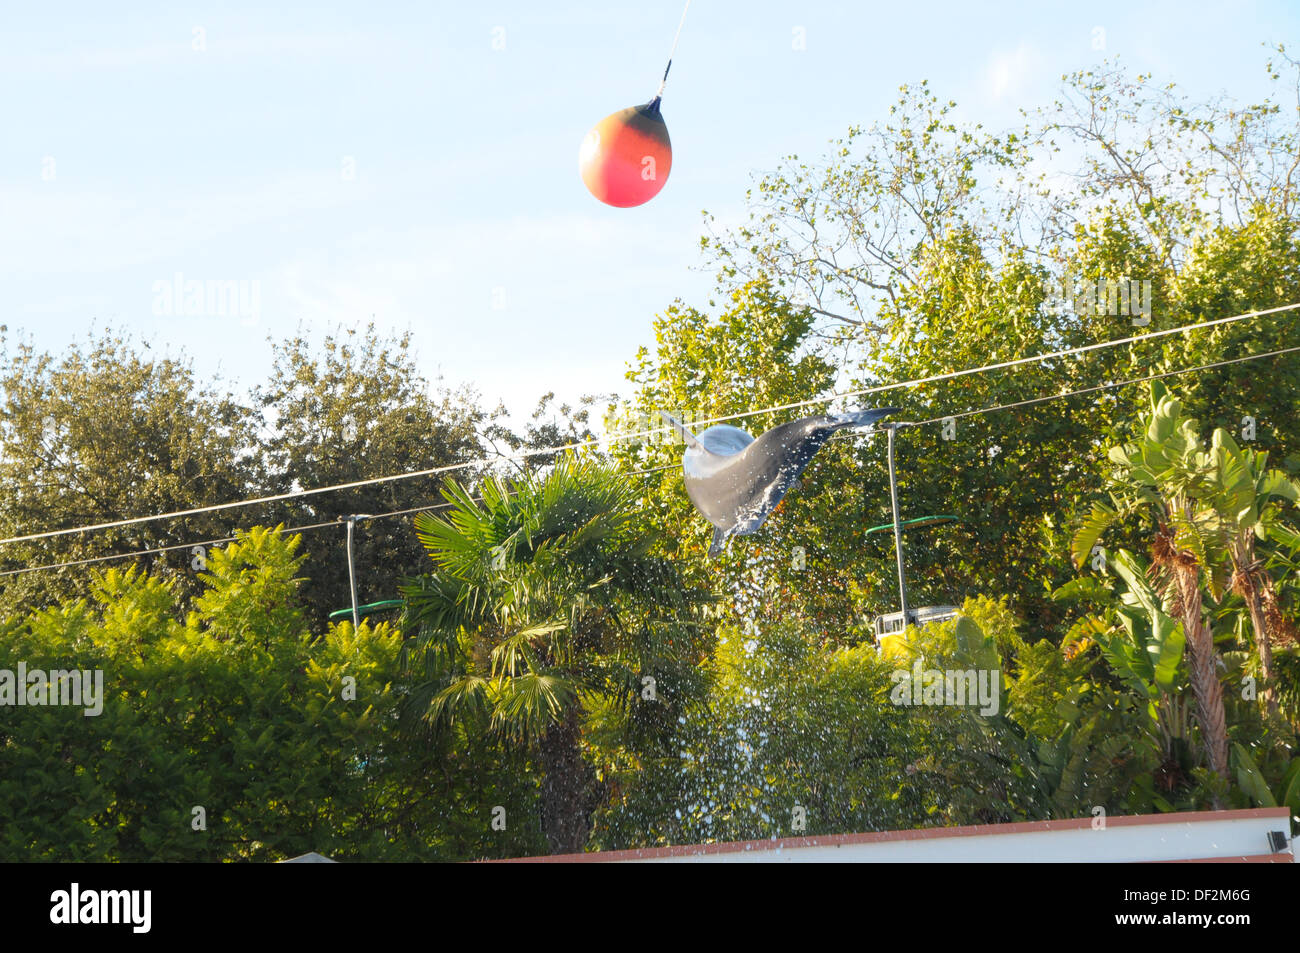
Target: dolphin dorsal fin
{"type": "Point", "coordinates": [690, 438]}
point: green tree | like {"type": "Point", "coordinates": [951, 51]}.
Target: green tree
{"type": "Point", "coordinates": [1144, 647]}
{"type": "Point", "coordinates": [546, 603]}
{"type": "Point", "coordinates": [355, 408]}
{"type": "Point", "coordinates": [103, 432]}
{"type": "Point", "coordinates": [284, 741]}
{"type": "Point", "coordinates": [1231, 269]}
{"type": "Point", "coordinates": [1242, 490]}
{"type": "Point", "coordinates": [1154, 481]}
{"type": "Point", "coordinates": [921, 245]}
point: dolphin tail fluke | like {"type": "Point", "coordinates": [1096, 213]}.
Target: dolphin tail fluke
{"type": "Point", "coordinates": [719, 543]}
{"type": "Point", "coordinates": [680, 427]}
{"type": "Point", "coordinates": [863, 418]}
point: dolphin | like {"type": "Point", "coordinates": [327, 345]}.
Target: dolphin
{"type": "Point", "coordinates": [736, 480]}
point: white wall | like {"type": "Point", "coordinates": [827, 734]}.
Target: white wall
{"type": "Point", "coordinates": [1227, 835]}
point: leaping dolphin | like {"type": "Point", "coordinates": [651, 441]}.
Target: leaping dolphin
{"type": "Point", "coordinates": [736, 481]}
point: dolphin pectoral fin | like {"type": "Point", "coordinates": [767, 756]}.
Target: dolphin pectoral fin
{"type": "Point", "coordinates": [719, 543]}
{"type": "Point", "coordinates": [680, 427]}
{"type": "Point", "coordinates": [863, 418]}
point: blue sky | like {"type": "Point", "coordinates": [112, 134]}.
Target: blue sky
{"type": "Point", "coordinates": [416, 163]}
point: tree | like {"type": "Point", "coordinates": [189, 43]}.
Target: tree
{"type": "Point", "coordinates": [546, 603]}
{"type": "Point", "coordinates": [355, 409]}
{"type": "Point", "coordinates": [1144, 648]}
{"type": "Point", "coordinates": [846, 236]}
{"type": "Point", "coordinates": [1240, 489]}
{"type": "Point", "coordinates": [107, 431]}
{"type": "Point", "coordinates": [1155, 481]}
{"type": "Point", "coordinates": [110, 432]}
{"type": "Point", "coordinates": [1232, 269]}
{"type": "Point", "coordinates": [1173, 166]}
{"type": "Point", "coordinates": [233, 734]}
{"type": "Point", "coordinates": [921, 245]}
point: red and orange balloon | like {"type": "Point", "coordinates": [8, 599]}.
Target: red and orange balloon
{"type": "Point", "coordinates": [626, 157]}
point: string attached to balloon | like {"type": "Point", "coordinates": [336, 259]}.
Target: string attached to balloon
{"type": "Point", "coordinates": [680, 23]}
{"type": "Point", "coordinates": [626, 157]}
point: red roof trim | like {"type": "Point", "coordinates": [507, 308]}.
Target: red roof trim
{"type": "Point", "coordinates": [841, 840]}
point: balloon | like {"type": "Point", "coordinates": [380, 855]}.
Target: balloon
{"type": "Point", "coordinates": [626, 157]}
{"type": "Point", "coordinates": [736, 481]}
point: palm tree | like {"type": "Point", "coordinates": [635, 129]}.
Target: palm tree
{"type": "Point", "coordinates": [1157, 479]}
{"type": "Point", "coordinates": [1241, 490]}
{"type": "Point", "coordinates": [546, 597]}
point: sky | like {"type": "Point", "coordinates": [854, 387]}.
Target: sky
{"type": "Point", "coordinates": [416, 164]}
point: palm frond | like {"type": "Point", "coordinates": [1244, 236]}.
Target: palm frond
{"type": "Point", "coordinates": [1094, 525]}
{"type": "Point", "coordinates": [525, 706]}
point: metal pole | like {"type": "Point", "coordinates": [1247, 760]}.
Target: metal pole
{"type": "Point", "coordinates": [352, 577]}
{"type": "Point", "coordinates": [898, 529]}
